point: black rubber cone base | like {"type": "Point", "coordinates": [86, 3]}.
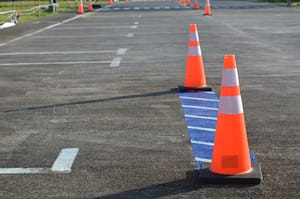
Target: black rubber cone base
{"type": "Point", "coordinates": [253, 177]}
{"type": "Point", "coordinates": [193, 89]}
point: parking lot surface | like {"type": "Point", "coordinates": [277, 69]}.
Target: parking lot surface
{"type": "Point", "coordinates": [95, 93]}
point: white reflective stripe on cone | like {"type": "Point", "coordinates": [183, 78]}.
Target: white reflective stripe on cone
{"type": "Point", "coordinates": [194, 36]}
{"type": "Point", "coordinates": [231, 105]}
{"type": "Point", "coordinates": [194, 51]}
{"type": "Point", "coordinates": [230, 77]}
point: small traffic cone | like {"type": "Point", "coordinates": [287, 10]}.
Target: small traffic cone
{"type": "Point", "coordinates": [111, 2]}
{"type": "Point", "coordinates": [182, 2]}
{"type": "Point", "coordinates": [90, 8]}
{"type": "Point", "coordinates": [231, 159]}
{"type": "Point", "coordinates": [195, 75]}
{"type": "Point", "coordinates": [188, 3]}
{"type": "Point", "coordinates": [207, 10]}
{"type": "Point", "coordinates": [196, 5]}
{"type": "Point", "coordinates": [80, 8]}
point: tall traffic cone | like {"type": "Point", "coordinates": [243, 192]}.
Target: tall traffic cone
{"type": "Point", "coordinates": [207, 10]}
{"type": "Point", "coordinates": [188, 3]}
{"type": "Point", "coordinates": [80, 8]}
{"type": "Point", "coordinates": [111, 2]}
{"type": "Point", "coordinates": [90, 8]}
{"type": "Point", "coordinates": [195, 75]}
{"type": "Point", "coordinates": [196, 5]}
{"type": "Point", "coordinates": [231, 159]}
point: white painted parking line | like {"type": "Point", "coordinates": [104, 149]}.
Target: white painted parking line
{"type": "Point", "coordinates": [69, 36]}
{"type": "Point", "coordinates": [55, 63]}
{"type": "Point", "coordinates": [136, 23]}
{"type": "Point", "coordinates": [41, 30]}
{"type": "Point", "coordinates": [58, 53]}
{"type": "Point", "coordinates": [91, 27]}
{"type": "Point", "coordinates": [116, 62]}
{"type": "Point", "coordinates": [134, 27]}
{"type": "Point", "coordinates": [62, 164]}
{"type": "Point", "coordinates": [23, 170]}
{"type": "Point", "coordinates": [122, 51]}
{"type": "Point", "coordinates": [64, 161]}
{"type": "Point", "coordinates": [130, 34]}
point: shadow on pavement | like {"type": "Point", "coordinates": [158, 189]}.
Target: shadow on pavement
{"type": "Point", "coordinates": [190, 183]}
{"type": "Point", "coordinates": [150, 94]}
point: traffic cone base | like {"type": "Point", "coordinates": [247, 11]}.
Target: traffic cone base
{"type": "Point", "coordinates": [252, 177]}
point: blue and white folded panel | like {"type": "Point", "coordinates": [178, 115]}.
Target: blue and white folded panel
{"type": "Point", "coordinates": [200, 112]}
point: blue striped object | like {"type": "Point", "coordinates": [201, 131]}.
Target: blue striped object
{"type": "Point", "coordinates": [200, 112]}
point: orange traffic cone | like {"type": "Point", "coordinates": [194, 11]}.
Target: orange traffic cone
{"type": "Point", "coordinates": [195, 75]}
{"type": "Point", "coordinates": [231, 159]}
{"type": "Point", "coordinates": [80, 8]}
{"type": "Point", "coordinates": [111, 2]}
{"type": "Point", "coordinates": [188, 3]}
{"type": "Point", "coordinates": [90, 8]}
{"type": "Point", "coordinates": [207, 10]}
{"type": "Point", "coordinates": [196, 5]}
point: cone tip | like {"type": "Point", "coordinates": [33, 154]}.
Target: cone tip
{"type": "Point", "coordinates": [229, 61]}
{"type": "Point", "coordinates": [193, 27]}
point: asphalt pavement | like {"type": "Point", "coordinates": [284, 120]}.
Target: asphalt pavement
{"type": "Point", "coordinates": [103, 84]}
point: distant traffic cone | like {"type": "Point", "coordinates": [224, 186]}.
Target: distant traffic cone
{"type": "Point", "coordinates": [196, 5]}
{"type": "Point", "coordinates": [80, 8]}
{"type": "Point", "coordinates": [195, 75]}
{"type": "Point", "coordinates": [90, 8]}
{"type": "Point", "coordinates": [231, 159]}
{"type": "Point", "coordinates": [188, 3]}
{"type": "Point", "coordinates": [111, 2]}
{"type": "Point", "coordinates": [207, 10]}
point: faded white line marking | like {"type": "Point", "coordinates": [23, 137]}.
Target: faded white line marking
{"type": "Point", "coordinates": [136, 23]}
{"type": "Point", "coordinates": [56, 53]}
{"type": "Point", "coordinates": [134, 27]}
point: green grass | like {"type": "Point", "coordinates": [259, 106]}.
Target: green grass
{"type": "Point", "coordinates": [23, 5]}
{"type": "Point", "coordinates": [281, 2]}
